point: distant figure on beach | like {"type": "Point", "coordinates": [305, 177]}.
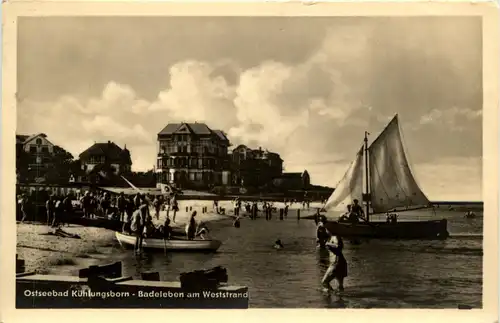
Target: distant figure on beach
{"type": "Point", "coordinates": [175, 206]}
{"type": "Point", "coordinates": [191, 227]}
{"type": "Point", "coordinates": [278, 244]}
{"type": "Point", "coordinates": [68, 209]}
{"type": "Point", "coordinates": [254, 211]}
{"type": "Point", "coordinates": [216, 206]}
{"type": "Point", "coordinates": [50, 207]}
{"type": "Point", "coordinates": [121, 202]}
{"type": "Point", "coordinates": [58, 212]}
{"type": "Point", "coordinates": [237, 206]}
{"type": "Point", "coordinates": [24, 207]}
{"type": "Point", "coordinates": [86, 201]}
{"type": "Point", "coordinates": [286, 210]}
{"type": "Point", "coordinates": [338, 268]}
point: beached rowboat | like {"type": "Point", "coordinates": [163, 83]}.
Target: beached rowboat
{"type": "Point", "coordinates": [171, 245]}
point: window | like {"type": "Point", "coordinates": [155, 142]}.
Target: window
{"type": "Point", "coordinates": [39, 141]}
{"type": "Point", "coordinates": [45, 149]}
{"type": "Point", "coordinates": [191, 176]}
{"type": "Point", "coordinates": [33, 149]}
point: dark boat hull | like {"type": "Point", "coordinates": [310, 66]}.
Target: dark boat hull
{"type": "Point", "coordinates": [434, 230]}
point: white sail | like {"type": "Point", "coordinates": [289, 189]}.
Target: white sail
{"type": "Point", "coordinates": [350, 186]}
{"type": "Point", "coordinates": [392, 185]}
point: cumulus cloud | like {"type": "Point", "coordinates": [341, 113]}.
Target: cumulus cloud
{"type": "Point", "coordinates": [455, 118]}
{"type": "Point", "coordinates": [313, 113]}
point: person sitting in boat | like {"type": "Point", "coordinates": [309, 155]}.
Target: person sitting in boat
{"type": "Point", "coordinates": [345, 217]}
{"type": "Point", "coordinates": [356, 212]}
{"type": "Point", "coordinates": [191, 227]}
{"type": "Point", "coordinates": [202, 231]}
{"type": "Point", "coordinates": [338, 268]}
{"type": "Point", "coordinates": [391, 217]}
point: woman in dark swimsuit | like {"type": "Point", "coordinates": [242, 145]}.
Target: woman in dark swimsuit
{"type": "Point", "coordinates": [338, 268]}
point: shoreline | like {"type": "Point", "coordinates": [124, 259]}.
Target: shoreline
{"type": "Point", "coordinates": [50, 254]}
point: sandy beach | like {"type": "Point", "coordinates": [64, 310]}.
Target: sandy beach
{"type": "Point", "coordinates": [49, 254]}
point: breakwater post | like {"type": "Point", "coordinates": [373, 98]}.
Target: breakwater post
{"type": "Point", "coordinates": [298, 214]}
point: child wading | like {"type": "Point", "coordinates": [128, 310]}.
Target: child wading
{"type": "Point", "coordinates": [338, 268]}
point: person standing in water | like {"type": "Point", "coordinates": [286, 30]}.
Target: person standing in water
{"type": "Point", "coordinates": [175, 206]}
{"type": "Point", "coordinates": [322, 235]}
{"type": "Point", "coordinates": [338, 268]}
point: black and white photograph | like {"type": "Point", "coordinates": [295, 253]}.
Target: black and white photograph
{"type": "Point", "coordinates": [277, 161]}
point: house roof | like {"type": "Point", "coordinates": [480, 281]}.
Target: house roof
{"type": "Point", "coordinates": [221, 134]}
{"type": "Point", "coordinates": [196, 128]}
{"type": "Point", "coordinates": [24, 139]}
{"type": "Point", "coordinates": [109, 150]}
{"type": "Point", "coordinates": [21, 138]}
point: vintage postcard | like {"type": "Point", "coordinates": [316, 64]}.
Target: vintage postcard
{"type": "Point", "coordinates": [250, 156]}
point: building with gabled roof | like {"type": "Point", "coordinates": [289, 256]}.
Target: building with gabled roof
{"type": "Point", "coordinates": [255, 167]}
{"type": "Point", "coordinates": [107, 153]}
{"type": "Point", "coordinates": [192, 155]}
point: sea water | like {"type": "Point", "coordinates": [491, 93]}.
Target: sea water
{"type": "Point", "coordinates": [381, 273]}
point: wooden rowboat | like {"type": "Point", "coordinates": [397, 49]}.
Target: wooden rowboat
{"type": "Point", "coordinates": [171, 245]}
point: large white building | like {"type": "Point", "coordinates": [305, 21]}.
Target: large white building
{"type": "Point", "coordinates": [192, 155]}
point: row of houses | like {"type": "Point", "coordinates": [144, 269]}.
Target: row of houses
{"type": "Point", "coordinates": [190, 155]}
{"type": "Point", "coordinates": [193, 154]}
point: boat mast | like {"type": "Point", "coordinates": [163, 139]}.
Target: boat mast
{"type": "Point", "coordinates": [367, 192]}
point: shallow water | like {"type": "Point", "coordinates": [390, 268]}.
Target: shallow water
{"type": "Point", "coordinates": [382, 274]}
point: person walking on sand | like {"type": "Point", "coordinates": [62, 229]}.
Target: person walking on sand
{"type": "Point", "coordinates": [24, 207]}
{"type": "Point", "coordinates": [338, 268]}
{"type": "Point", "coordinates": [58, 212]}
{"type": "Point", "coordinates": [122, 206]}
{"type": "Point", "coordinates": [86, 201]}
{"type": "Point", "coordinates": [49, 206]}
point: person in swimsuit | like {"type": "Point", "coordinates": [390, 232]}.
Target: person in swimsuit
{"type": "Point", "coordinates": [338, 268]}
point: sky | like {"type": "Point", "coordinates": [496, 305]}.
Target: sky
{"type": "Point", "coordinates": [306, 88]}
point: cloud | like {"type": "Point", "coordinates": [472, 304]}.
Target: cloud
{"type": "Point", "coordinates": [455, 118]}
{"type": "Point", "coordinates": [313, 112]}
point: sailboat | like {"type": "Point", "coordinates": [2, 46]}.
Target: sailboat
{"type": "Point", "coordinates": [382, 170]}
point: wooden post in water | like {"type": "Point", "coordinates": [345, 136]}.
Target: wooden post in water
{"type": "Point", "coordinates": [298, 214]}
